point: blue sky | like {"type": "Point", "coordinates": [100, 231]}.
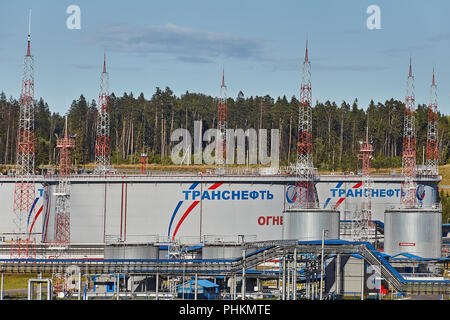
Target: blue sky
{"type": "Point", "coordinates": [185, 44]}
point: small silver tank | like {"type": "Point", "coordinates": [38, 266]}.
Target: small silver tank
{"type": "Point", "coordinates": [307, 224]}
{"type": "Point", "coordinates": [131, 251]}
{"type": "Point", "coordinates": [417, 231]}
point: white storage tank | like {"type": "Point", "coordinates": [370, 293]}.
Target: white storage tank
{"type": "Point", "coordinates": [131, 251]}
{"type": "Point", "coordinates": [417, 231]}
{"type": "Point", "coordinates": [307, 224]}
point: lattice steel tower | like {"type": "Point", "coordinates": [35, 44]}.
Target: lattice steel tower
{"type": "Point", "coordinates": [62, 194]}
{"type": "Point", "coordinates": [361, 222]}
{"type": "Point", "coordinates": [408, 197]}
{"type": "Point", "coordinates": [304, 162]}
{"type": "Point", "coordinates": [432, 159]}
{"type": "Point", "coordinates": [24, 191]}
{"type": "Point", "coordinates": [221, 146]}
{"type": "Point", "coordinates": [102, 142]}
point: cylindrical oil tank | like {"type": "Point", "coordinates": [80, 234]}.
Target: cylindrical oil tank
{"type": "Point", "coordinates": [131, 251]}
{"type": "Point", "coordinates": [307, 224]}
{"type": "Point", "coordinates": [417, 231]}
{"type": "Point", "coordinates": [223, 251]}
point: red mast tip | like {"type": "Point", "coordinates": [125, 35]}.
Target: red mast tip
{"type": "Point", "coordinates": [306, 51]}
{"type": "Point", "coordinates": [104, 62]}
{"type": "Point", "coordinates": [410, 69]}
{"type": "Point", "coordinates": [433, 79]}
{"type": "Point", "coordinates": [223, 78]}
{"type": "Point", "coordinates": [29, 34]}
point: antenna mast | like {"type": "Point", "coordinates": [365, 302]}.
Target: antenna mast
{"type": "Point", "coordinates": [221, 148]}
{"type": "Point", "coordinates": [432, 159]}
{"type": "Point", "coordinates": [304, 164]}
{"type": "Point", "coordinates": [362, 220]}
{"type": "Point", "coordinates": [62, 207]}
{"type": "Point", "coordinates": [102, 142]}
{"type": "Point", "coordinates": [408, 197]}
{"type": "Point", "coordinates": [24, 191]}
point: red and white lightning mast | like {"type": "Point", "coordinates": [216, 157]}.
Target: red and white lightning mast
{"type": "Point", "coordinates": [304, 219]}
{"type": "Point", "coordinates": [304, 163]}
{"type": "Point", "coordinates": [361, 223]}
{"type": "Point", "coordinates": [432, 157]}
{"type": "Point", "coordinates": [221, 148]}
{"type": "Point", "coordinates": [408, 197]}
{"type": "Point", "coordinates": [62, 194]}
{"type": "Point", "coordinates": [24, 191]}
{"type": "Point", "coordinates": [102, 142]}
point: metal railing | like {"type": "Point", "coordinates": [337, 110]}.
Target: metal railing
{"type": "Point", "coordinates": [268, 250]}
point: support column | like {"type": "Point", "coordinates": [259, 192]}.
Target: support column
{"type": "Point", "coordinates": [279, 277]}
{"type": "Point", "coordinates": [338, 274]}
{"type": "Point", "coordinates": [258, 285]}
{"type": "Point", "coordinates": [243, 275]}
{"type": "Point", "coordinates": [362, 278]}
{"type": "Point", "coordinates": [30, 290]}
{"type": "Point", "coordinates": [1, 289]}
{"type": "Point", "coordinates": [283, 283]}
{"type": "Point", "coordinates": [310, 280]}
{"type": "Point", "coordinates": [118, 286]}
{"type": "Point", "coordinates": [294, 277]}
{"type": "Point", "coordinates": [379, 289]}
{"type": "Point", "coordinates": [234, 286]}
{"type": "Point", "coordinates": [314, 284]}
{"type": "Point", "coordinates": [79, 285]}
{"type": "Point", "coordinates": [307, 278]}
{"type": "Point", "coordinates": [145, 284]}
{"type": "Point", "coordinates": [196, 286]}
{"type": "Point", "coordinates": [49, 289]}
{"type": "Point", "coordinates": [182, 281]}
{"type": "Point", "coordinates": [39, 295]}
{"type": "Point", "coordinates": [231, 287]}
{"type": "Point", "coordinates": [157, 285]}
{"type": "Point", "coordinates": [288, 280]}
